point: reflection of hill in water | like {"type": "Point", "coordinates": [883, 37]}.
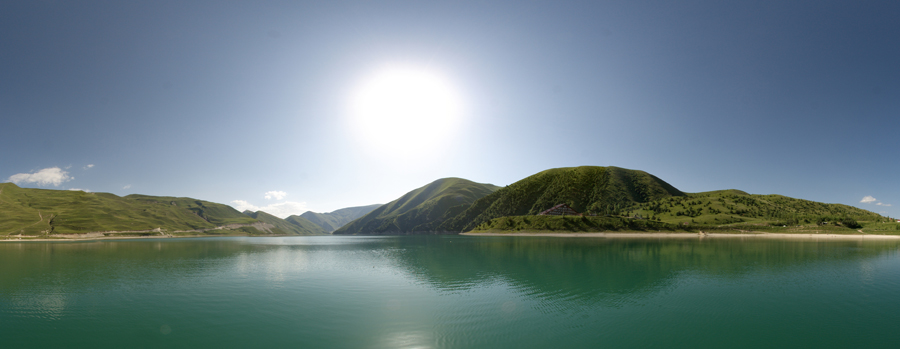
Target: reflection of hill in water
{"type": "Point", "coordinates": [578, 269]}
{"type": "Point", "coordinates": [610, 270]}
{"type": "Point", "coordinates": [85, 265]}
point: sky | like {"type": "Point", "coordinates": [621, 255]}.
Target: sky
{"type": "Point", "coordinates": [289, 106]}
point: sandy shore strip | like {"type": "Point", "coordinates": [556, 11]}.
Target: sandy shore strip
{"type": "Point", "coordinates": [152, 237]}
{"type": "Point", "coordinates": [651, 235]}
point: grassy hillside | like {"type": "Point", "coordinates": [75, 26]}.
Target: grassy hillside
{"type": "Point", "coordinates": [296, 226]}
{"type": "Point", "coordinates": [724, 211]}
{"type": "Point", "coordinates": [573, 224]}
{"type": "Point", "coordinates": [331, 221]}
{"type": "Point", "coordinates": [43, 212]}
{"type": "Point", "coordinates": [737, 210]}
{"type": "Point", "coordinates": [421, 210]}
{"type": "Point", "coordinates": [214, 213]}
{"type": "Point", "coordinates": [587, 189]}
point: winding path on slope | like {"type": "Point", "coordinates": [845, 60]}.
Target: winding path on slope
{"type": "Point", "coordinates": [41, 216]}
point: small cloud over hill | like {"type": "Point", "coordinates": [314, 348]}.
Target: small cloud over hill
{"type": "Point", "coordinates": [280, 210]}
{"type": "Point", "coordinates": [52, 175]}
{"type": "Point", "coordinates": [277, 195]}
{"type": "Point", "coordinates": [868, 199]}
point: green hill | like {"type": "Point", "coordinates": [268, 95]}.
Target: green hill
{"type": "Point", "coordinates": [216, 214]}
{"type": "Point", "coordinates": [724, 211]}
{"type": "Point", "coordinates": [591, 190]}
{"type": "Point", "coordinates": [42, 212]}
{"type": "Point", "coordinates": [295, 226]}
{"type": "Point", "coordinates": [421, 210]}
{"type": "Point", "coordinates": [737, 210]}
{"type": "Point", "coordinates": [615, 199]}
{"type": "Point", "coordinates": [331, 221]}
{"type": "Point", "coordinates": [609, 198]}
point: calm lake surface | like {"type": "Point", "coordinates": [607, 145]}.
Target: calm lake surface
{"type": "Point", "coordinates": [450, 291]}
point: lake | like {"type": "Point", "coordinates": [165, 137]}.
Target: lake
{"type": "Point", "coordinates": [450, 292]}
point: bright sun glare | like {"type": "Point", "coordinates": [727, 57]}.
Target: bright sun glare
{"type": "Point", "coordinates": [405, 110]}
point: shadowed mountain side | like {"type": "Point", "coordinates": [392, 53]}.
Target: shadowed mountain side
{"type": "Point", "coordinates": [421, 210]}
{"type": "Point", "coordinates": [587, 189]}
{"type": "Point", "coordinates": [305, 224]}
{"type": "Point", "coordinates": [295, 226]}
{"type": "Point", "coordinates": [331, 221]}
{"type": "Point", "coordinates": [42, 211]}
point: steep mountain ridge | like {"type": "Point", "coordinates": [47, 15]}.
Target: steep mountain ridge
{"type": "Point", "coordinates": [331, 221]}
{"type": "Point", "coordinates": [420, 210]}
{"type": "Point", "coordinates": [296, 226]}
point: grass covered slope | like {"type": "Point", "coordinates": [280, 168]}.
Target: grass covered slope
{"type": "Point", "coordinates": [421, 210]}
{"type": "Point", "coordinates": [737, 210]}
{"type": "Point", "coordinates": [573, 224]}
{"type": "Point", "coordinates": [587, 189]}
{"type": "Point", "coordinates": [724, 211]}
{"type": "Point", "coordinates": [217, 214]}
{"type": "Point", "coordinates": [33, 212]}
{"type": "Point", "coordinates": [296, 226]}
{"type": "Point", "coordinates": [331, 221]}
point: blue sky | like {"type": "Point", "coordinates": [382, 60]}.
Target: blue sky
{"type": "Point", "coordinates": [251, 103]}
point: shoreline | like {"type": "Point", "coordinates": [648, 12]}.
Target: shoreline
{"type": "Point", "coordinates": [157, 237]}
{"type": "Point", "coordinates": [611, 235]}
{"type": "Point", "coordinates": [652, 235]}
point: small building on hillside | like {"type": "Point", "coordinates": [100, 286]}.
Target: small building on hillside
{"type": "Point", "coordinates": [560, 210]}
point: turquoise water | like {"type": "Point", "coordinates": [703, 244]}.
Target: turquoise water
{"type": "Point", "coordinates": [450, 291]}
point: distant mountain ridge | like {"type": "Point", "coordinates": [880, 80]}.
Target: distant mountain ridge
{"type": "Point", "coordinates": [610, 198]}
{"type": "Point", "coordinates": [421, 210]}
{"type": "Point", "coordinates": [49, 213]}
{"type": "Point", "coordinates": [293, 226]}
{"type": "Point", "coordinates": [331, 221]}
{"type": "Point", "coordinates": [606, 198]}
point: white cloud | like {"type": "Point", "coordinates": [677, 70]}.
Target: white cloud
{"type": "Point", "coordinates": [79, 189]}
{"type": "Point", "coordinates": [277, 195]}
{"type": "Point", "coordinates": [127, 186]}
{"type": "Point", "coordinates": [280, 210]}
{"type": "Point", "coordinates": [242, 205]}
{"type": "Point", "coordinates": [88, 166]}
{"type": "Point", "coordinates": [52, 175]}
{"type": "Point", "coordinates": [869, 199]}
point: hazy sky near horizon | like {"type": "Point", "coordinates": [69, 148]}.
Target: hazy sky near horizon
{"type": "Point", "coordinates": [263, 104]}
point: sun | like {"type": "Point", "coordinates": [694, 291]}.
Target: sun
{"type": "Point", "coordinates": [405, 110]}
